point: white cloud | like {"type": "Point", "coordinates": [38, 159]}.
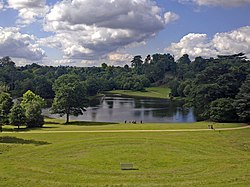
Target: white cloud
{"type": "Point", "coordinates": [1, 5]}
{"type": "Point", "coordinates": [28, 10]}
{"type": "Point", "coordinates": [92, 29]}
{"type": "Point", "coordinates": [119, 58]}
{"type": "Point", "coordinates": [170, 17]}
{"type": "Point", "coordinates": [221, 44]}
{"type": "Point", "coordinates": [225, 3]}
{"type": "Point", "coordinates": [18, 45]}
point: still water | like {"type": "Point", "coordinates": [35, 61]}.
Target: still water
{"type": "Point", "coordinates": [115, 108]}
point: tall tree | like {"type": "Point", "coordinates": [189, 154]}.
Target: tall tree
{"type": "Point", "coordinates": [33, 104]}
{"type": "Point", "coordinates": [70, 96]}
{"type": "Point", "coordinates": [137, 64]}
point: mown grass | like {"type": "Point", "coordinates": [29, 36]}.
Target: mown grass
{"type": "Point", "coordinates": [59, 125]}
{"type": "Point", "coordinates": [209, 158]}
{"type": "Point", "coordinates": [152, 92]}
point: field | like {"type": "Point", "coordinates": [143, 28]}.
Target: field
{"type": "Point", "coordinates": [57, 156]}
{"type": "Point", "coordinates": [153, 92]}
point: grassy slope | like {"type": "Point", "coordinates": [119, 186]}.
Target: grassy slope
{"type": "Point", "coordinates": [92, 159]}
{"type": "Point", "coordinates": [153, 92]}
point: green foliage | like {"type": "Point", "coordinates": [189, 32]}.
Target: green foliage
{"type": "Point", "coordinates": [222, 110]}
{"type": "Point", "coordinates": [242, 102]}
{"type": "Point", "coordinates": [136, 63]}
{"type": "Point", "coordinates": [70, 98]}
{"type": "Point", "coordinates": [29, 97]}
{"type": "Point", "coordinates": [184, 60]}
{"type": "Point", "coordinates": [201, 81]}
{"type": "Point", "coordinates": [17, 115]}
{"type": "Point", "coordinates": [174, 85]}
{"type": "Point", "coordinates": [156, 67]}
{"type": "Point", "coordinates": [5, 106]}
{"type": "Point", "coordinates": [32, 104]}
{"type": "Point", "coordinates": [33, 113]}
{"type": "Point", "coordinates": [94, 85]}
{"type": "Point", "coordinates": [3, 87]}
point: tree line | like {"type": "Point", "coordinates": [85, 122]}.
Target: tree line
{"type": "Point", "coordinates": [217, 88]}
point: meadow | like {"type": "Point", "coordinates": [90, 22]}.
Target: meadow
{"type": "Point", "coordinates": [48, 157]}
{"type": "Point", "coordinates": [151, 92]}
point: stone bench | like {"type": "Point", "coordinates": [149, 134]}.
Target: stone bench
{"type": "Point", "coordinates": [127, 166]}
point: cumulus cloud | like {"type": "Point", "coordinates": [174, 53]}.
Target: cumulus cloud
{"type": "Point", "coordinates": [18, 45]}
{"type": "Point", "coordinates": [28, 10]}
{"type": "Point", "coordinates": [119, 58]}
{"type": "Point", "coordinates": [225, 3]}
{"type": "Point", "coordinates": [221, 44]}
{"type": "Point", "coordinates": [170, 17]}
{"type": "Point", "coordinates": [92, 29]}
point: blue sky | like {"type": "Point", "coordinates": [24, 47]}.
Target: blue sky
{"type": "Point", "coordinates": [90, 32]}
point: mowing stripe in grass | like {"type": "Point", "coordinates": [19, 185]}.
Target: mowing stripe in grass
{"type": "Point", "coordinates": [122, 131]}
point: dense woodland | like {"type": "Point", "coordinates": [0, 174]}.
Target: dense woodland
{"type": "Point", "coordinates": [218, 88]}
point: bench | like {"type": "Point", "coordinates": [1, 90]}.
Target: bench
{"type": "Point", "coordinates": [127, 166]}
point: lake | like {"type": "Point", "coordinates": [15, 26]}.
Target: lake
{"type": "Point", "coordinates": [116, 108]}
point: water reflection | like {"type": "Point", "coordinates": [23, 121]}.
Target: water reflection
{"type": "Point", "coordinates": [113, 108]}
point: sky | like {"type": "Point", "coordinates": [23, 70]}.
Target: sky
{"type": "Point", "coordinates": [91, 32]}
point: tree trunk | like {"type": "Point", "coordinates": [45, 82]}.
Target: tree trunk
{"type": "Point", "coordinates": [67, 120]}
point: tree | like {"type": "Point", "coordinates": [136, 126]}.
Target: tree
{"type": "Point", "coordinates": [222, 110]}
{"type": "Point", "coordinates": [5, 106]}
{"type": "Point", "coordinates": [33, 104]}
{"type": "Point", "coordinates": [70, 96]}
{"type": "Point", "coordinates": [3, 87]}
{"type": "Point", "coordinates": [17, 115]}
{"type": "Point", "coordinates": [33, 115]}
{"type": "Point", "coordinates": [9, 71]}
{"type": "Point", "coordinates": [104, 66]}
{"type": "Point", "coordinates": [242, 102]}
{"type": "Point", "coordinates": [184, 59]}
{"type": "Point", "coordinates": [203, 95]}
{"type": "Point", "coordinates": [137, 64]}
{"type": "Point", "coordinates": [93, 86]}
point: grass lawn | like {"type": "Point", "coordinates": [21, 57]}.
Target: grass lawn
{"type": "Point", "coordinates": [208, 158]}
{"type": "Point", "coordinates": [153, 92]}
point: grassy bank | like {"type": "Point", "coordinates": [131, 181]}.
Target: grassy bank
{"type": "Point", "coordinates": [209, 158]}
{"type": "Point", "coordinates": [153, 92]}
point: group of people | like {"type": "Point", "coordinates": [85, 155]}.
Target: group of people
{"type": "Point", "coordinates": [211, 126]}
{"type": "Point", "coordinates": [133, 122]}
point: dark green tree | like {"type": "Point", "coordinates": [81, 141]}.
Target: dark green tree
{"type": "Point", "coordinates": [137, 64]}
{"type": "Point", "coordinates": [184, 60]}
{"type": "Point", "coordinates": [5, 106]}
{"type": "Point", "coordinates": [70, 96]}
{"type": "Point", "coordinates": [222, 110]}
{"type": "Point", "coordinates": [104, 66]}
{"type": "Point", "coordinates": [242, 102]}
